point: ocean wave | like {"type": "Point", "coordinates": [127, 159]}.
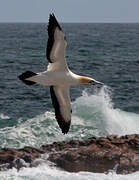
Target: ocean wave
{"type": "Point", "coordinates": [93, 115]}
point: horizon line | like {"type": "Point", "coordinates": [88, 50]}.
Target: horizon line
{"type": "Point", "coordinates": [108, 22]}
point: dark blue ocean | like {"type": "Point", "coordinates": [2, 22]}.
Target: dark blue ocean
{"type": "Point", "coordinates": [107, 52]}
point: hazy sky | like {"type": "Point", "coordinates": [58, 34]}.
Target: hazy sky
{"type": "Point", "coordinates": [69, 10]}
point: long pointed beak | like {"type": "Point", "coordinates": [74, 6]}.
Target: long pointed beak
{"type": "Point", "coordinates": [93, 81]}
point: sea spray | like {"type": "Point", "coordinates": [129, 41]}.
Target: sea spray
{"type": "Point", "coordinates": [117, 121]}
{"type": "Point", "coordinates": [44, 171]}
{"type": "Point", "coordinates": [97, 110]}
{"type": "Point", "coordinates": [2, 116]}
{"type": "Point", "coordinates": [93, 115]}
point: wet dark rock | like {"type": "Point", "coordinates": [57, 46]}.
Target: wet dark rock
{"type": "Point", "coordinates": [100, 155]}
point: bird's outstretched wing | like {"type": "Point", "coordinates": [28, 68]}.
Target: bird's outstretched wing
{"type": "Point", "coordinates": [61, 102]}
{"type": "Point", "coordinates": [56, 44]}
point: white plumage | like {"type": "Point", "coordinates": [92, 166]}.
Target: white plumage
{"type": "Point", "coordinates": [57, 76]}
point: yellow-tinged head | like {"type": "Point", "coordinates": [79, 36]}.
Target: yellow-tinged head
{"type": "Point", "coordinates": [85, 79]}
{"type": "Point", "coordinates": [88, 80]}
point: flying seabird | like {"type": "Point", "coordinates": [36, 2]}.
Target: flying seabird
{"type": "Point", "coordinates": [57, 76]}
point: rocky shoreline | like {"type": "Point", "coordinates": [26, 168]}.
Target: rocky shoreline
{"type": "Point", "coordinates": [100, 155]}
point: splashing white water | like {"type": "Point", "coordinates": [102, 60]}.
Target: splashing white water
{"type": "Point", "coordinates": [97, 111]}
{"type": "Point", "coordinates": [118, 121]}
{"type": "Point", "coordinates": [44, 171]}
{"type": "Point", "coordinates": [2, 116]}
{"type": "Point", "coordinates": [93, 115]}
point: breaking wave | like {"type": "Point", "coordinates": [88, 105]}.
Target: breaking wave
{"type": "Point", "coordinates": [93, 115]}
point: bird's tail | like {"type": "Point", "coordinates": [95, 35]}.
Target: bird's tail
{"type": "Point", "coordinates": [23, 77]}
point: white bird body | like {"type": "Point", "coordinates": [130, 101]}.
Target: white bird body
{"type": "Point", "coordinates": [57, 76]}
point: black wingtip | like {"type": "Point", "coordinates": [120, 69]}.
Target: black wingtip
{"type": "Point", "coordinates": [26, 75]}
{"type": "Point", "coordinates": [64, 126]}
{"type": "Point", "coordinates": [53, 21]}
{"type": "Point", "coordinates": [52, 25]}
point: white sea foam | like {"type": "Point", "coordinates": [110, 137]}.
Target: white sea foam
{"type": "Point", "coordinates": [93, 115]}
{"type": "Point", "coordinates": [39, 130]}
{"type": "Point", "coordinates": [46, 172]}
{"type": "Point", "coordinates": [97, 111]}
{"type": "Point", "coordinates": [2, 116]}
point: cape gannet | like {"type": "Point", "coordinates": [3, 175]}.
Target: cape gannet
{"type": "Point", "coordinates": [57, 76]}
